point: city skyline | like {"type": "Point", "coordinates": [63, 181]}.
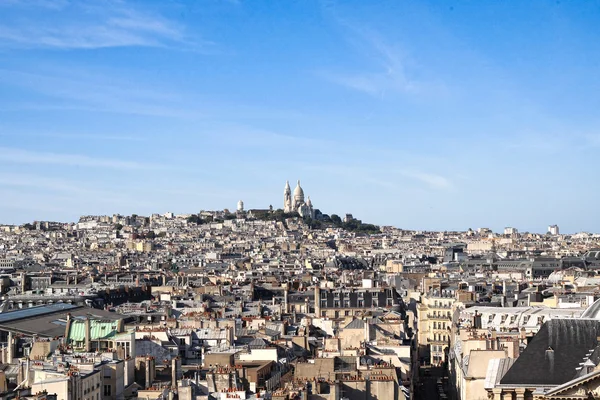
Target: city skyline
{"type": "Point", "coordinates": [421, 116]}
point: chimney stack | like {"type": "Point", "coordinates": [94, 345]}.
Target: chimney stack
{"type": "Point", "coordinates": [88, 334]}
{"type": "Point", "coordinates": [148, 374]}
{"type": "Point", "coordinates": [174, 372]}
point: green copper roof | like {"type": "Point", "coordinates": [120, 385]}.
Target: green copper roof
{"type": "Point", "coordinates": [99, 329]}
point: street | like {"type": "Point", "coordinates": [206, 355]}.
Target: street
{"type": "Point", "coordinates": [427, 388]}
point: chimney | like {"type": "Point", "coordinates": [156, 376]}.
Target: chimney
{"type": "Point", "coordinates": [477, 320]}
{"type": "Point", "coordinates": [88, 334]}
{"type": "Point", "coordinates": [11, 348]}
{"type": "Point", "coordinates": [22, 282]}
{"type": "Point", "coordinates": [68, 326]}
{"type": "Point", "coordinates": [148, 374]}
{"type": "Point", "coordinates": [550, 357]}
{"type": "Point", "coordinates": [174, 372]}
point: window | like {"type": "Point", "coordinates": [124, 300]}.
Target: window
{"type": "Point", "coordinates": [107, 390]}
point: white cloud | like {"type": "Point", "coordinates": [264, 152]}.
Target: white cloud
{"type": "Point", "coordinates": [20, 156]}
{"type": "Point", "coordinates": [94, 92]}
{"type": "Point", "coordinates": [89, 25]}
{"type": "Point", "coordinates": [80, 136]}
{"type": "Point", "coordinates": [389, 68]}
{"type": "Point", "coordinates": [432, 180]}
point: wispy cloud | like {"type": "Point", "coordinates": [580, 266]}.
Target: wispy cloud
{"type": "Point", "coordinates": [52, 4]}
{"type": "Point", "coordinates": [434, 181]}
{"type": "Point", "coordinates": [97, 92]}
{"type": "Point", "coordinates": [20, 156]}
{"type": "Point", "coordinates": [387, 68]}
{"type": "Point", "coordinates": [89, 25]}
{"type": "Point", "coordinates": [78, 136]}
{"type": "Point", "coordinates": [389, 74]}
{"type": "Point", "coordinates": [238, 135]}
{"type": "Point", "coordinates": [36, 182]}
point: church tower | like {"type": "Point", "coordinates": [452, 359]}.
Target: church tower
{"type": "Point", "coordinates": [287, 198]}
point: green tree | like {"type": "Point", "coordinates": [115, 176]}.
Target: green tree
{"type": "Point", "coordinates": [195, 219]}
{"type": "Point", "coordinates": [336, 219]}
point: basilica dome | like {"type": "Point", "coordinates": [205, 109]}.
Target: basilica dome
{"type": "Point", "coordinates": [298, 193]}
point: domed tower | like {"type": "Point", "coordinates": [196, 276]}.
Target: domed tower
{"type": "Point", "coordinates": [287, 198]}
{"type": "Point", "coordinates": [298, 197]}
{"type": "Point", "coordinates": [240, 206]}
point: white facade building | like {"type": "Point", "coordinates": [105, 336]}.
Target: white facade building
{"type": "Point", "coordinates": [296, 202]}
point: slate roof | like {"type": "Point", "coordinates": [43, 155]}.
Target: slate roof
{"type": "Point", "coordinates": [258, 343]}
{"type": "Point", "coordinates": [356, 324]}
{"type": "Point", "coordinates": [149, 348]}
{"type": "Point", "coordinates": [496, 370]}
{"type": "Point", "coordinates": [554, 353]}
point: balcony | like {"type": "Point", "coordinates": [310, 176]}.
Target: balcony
{"type": "Point", "coordinates": [439, 317]}
{"type": "Point", "coordinates": [440, 306]}
{"type": "Point", "coordinates": [436, 341]}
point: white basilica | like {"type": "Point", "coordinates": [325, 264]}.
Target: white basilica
{"type": "Point", "coordinates": [296, 203]}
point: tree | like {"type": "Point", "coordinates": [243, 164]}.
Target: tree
{"type": "Point", "coordinates": [118, 227]}
{"type": "Point", "coordinates": [195, 219]}
{"type": "Point", "coordinates": [336, 219]}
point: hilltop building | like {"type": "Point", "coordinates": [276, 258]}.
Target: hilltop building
{"type": "Point", "coordinates": [297, 203]}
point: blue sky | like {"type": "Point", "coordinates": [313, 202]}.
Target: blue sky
{"type": "Point", "coordinates": [419, 114]}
